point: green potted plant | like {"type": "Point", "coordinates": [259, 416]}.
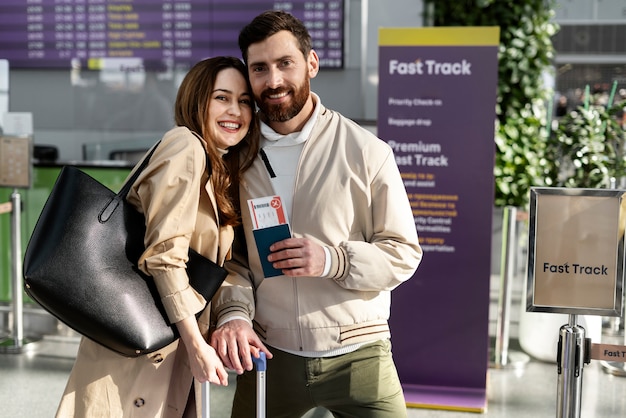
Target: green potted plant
{"type": "Point", "coordinates": [586, 149]}
{"type": "Point", "coordinates": [525, 56]}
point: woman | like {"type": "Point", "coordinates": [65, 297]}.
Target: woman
{"type": "Point", "coordinates": [187, 194]}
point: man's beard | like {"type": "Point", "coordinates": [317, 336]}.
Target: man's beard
{"type": "Point", "coordinates": [285, 111]}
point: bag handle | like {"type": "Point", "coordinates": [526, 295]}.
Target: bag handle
{"type": "Point", "coordinates": [110, 207]}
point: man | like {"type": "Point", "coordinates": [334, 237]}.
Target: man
{"type": "Point", "coordinates": [354, 240]}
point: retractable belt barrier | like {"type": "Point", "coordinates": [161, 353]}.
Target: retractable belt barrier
{"type": "Point", "coordinates": [576, 266]}
{"type": "Point", "coordinates": [15, 172]}
{"type": "Point", "coordinates": [17, 343]}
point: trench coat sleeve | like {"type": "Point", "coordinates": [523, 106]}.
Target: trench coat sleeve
{"type": "Point", "coordinates": [235, 298]}
{"type": "Point", "coordinates": [168, 191]}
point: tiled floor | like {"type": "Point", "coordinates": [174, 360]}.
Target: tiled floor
{"type": "Point", "coordinates": [31, 383]}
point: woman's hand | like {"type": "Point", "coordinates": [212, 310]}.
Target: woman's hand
{"type": "Point", "coordinates": [204, 362]}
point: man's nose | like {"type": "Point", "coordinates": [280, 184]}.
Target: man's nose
{"type": "Point", "coordinates": [274, 79]}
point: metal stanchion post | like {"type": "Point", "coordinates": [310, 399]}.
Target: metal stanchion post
{"type": "Point", "coordinates": [615, 368]}
{"type": "Point", "coordinates": [615, 324]}
{"type": "Point", "coordinates": [502, 357]}
{"type": "Point", "coordinates": [616, 329]}
{"type": "Point", "coordinates": [16, 344]}
{"type": "Point", "coordinates": [570, 362]}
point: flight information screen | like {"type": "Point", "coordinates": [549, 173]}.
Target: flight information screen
{"type": "Point", "coordinates": [153, 33]}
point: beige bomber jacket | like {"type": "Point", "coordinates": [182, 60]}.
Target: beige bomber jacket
{"type": "Point", "coordinates": [349, 197]}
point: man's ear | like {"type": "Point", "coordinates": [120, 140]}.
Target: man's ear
{"type": "Point", "coordinates": [313, 63]}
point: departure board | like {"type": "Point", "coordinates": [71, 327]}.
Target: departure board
{"type": "Point", "coordinates": [153, 33]}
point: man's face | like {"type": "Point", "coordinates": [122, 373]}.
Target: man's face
{"type": "Point", "coordinates": [280, 76]}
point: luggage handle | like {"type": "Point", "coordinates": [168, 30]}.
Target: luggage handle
{"type": "Point", "coordinates": [260, 364]}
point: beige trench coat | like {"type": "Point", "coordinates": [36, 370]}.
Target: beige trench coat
{"type": "Point", "coordinates": [107, 385]}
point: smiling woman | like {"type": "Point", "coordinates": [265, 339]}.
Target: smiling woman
{"type": "Point", "coordinates": [185, 193]}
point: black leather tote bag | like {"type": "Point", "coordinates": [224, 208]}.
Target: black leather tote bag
{"type": "Point", "coordinates": [81, 266]}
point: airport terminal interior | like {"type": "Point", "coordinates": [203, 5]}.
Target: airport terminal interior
{"type": "Point", "coordinates": [102, 114]}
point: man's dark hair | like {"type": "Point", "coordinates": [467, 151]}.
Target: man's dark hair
{"type": "Point", "coordinates": [269, 23]}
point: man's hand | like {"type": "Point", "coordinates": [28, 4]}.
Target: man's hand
{"type": "Point", "coordinates": [298, 257]}
{"type": "Point", "coordinates": [235, 342]}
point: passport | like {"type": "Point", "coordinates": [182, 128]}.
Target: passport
{"type": "Point", "coordinates": [270, 225]}
{"type": "Point", "coordinates": [264, 238]}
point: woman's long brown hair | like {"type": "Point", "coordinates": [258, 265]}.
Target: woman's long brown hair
{"type": "Point", "coordinates": [190, 110]}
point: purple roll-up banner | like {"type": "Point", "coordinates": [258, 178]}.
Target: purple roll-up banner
{"type": "Point", "coordinates": [436, 108]}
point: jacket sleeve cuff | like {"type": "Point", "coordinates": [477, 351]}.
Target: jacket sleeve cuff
{"type": "Point", "coordinates": [231, 311]}
{"type": "Point", "coordinates": [338, 263]}
{"type": "Point", "coordinates": [228, 318]}
{"type": "Point", "coordinates": [179, 299]}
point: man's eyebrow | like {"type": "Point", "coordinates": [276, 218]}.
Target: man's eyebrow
{"type": "Point", "coordinates": [279, 59]}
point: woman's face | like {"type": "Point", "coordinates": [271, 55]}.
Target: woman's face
{"type": "Point", "coordinates": [230, 109]}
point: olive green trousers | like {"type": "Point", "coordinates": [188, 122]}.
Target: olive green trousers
{"type": "Point", "coordinates": [361, 384]}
